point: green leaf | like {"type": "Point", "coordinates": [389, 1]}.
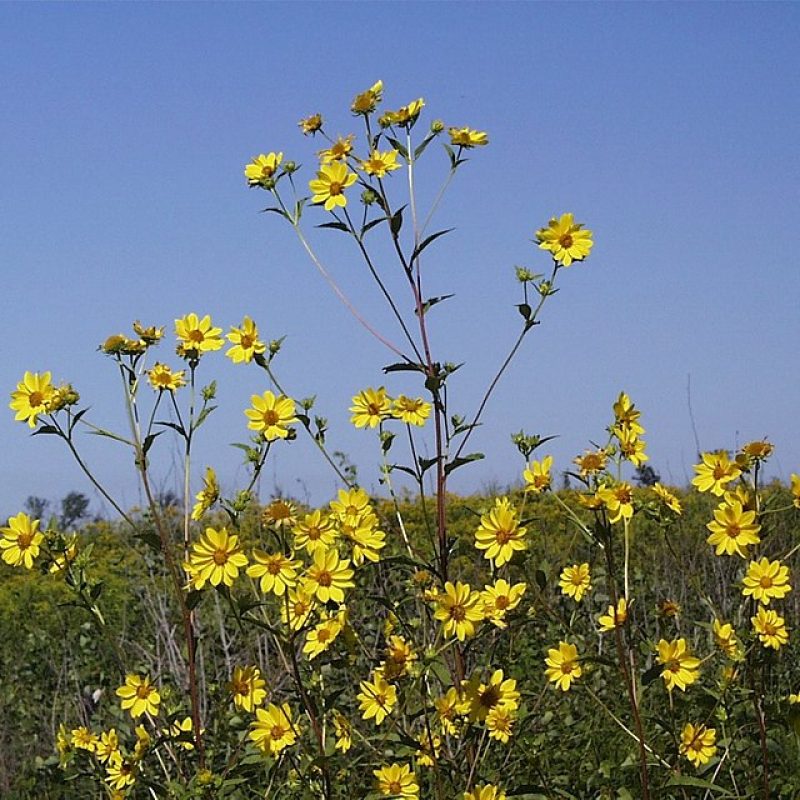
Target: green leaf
{"type": "Point", "coordinates": [428, 240]}
{"type": "Point", "coordinates": [404, 366]}
{"type": "Point", "coordinates": [426, 463]}
{"type": "Point", "coordinates": [150, 539]}
{"type": "Point", "coordinates": [336, 226]}
{"type": "Point", "coordinates": [401, 468]}
{"type": "Point", "coordinates": [461, 460]}
{"type": "Point", "coordinates": [370, 225]}
{"type": "Point", "coordinates": [174, 427]}
{"type": "Point", "coordinates": [525, 310]}
{"type": "Point", "coordinates": [420, 149]}
{"type": "Point", "coordinates": [396, 221]}
{"type": "Point", "coordinates": [148, 441]}
{"type": "Point", "coordinates": [697, 783]}
{"type": "Point", "coordinates": [398, 146]}
{"type": "Point", "coordinates": [433, 301]}
{"type": "Point", "coordinates": [76, 418]}
{"type": "Point", "coordinates": [201, 417]}
{"type": "Point", "coordinates": [46, 429]}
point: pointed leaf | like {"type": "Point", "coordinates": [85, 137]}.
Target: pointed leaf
{"type": "Point", "coordinates": [428, 240]}
{"type": "Point", "coordinates": [337, 226]}
{"type": "Point", "coordinates": [398, 146]}
{"type": "Point", "coordinates": [461, 460]}
{"type": "Point", "coordinates": [433, 301]}
{"type": "Point", "coordinates": [404, 366]}
{"type": "Point", "coordinates": [45, 429]}
{"type": "Point", "coordinates": [148, 442]}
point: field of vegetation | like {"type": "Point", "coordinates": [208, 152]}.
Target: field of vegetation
{"type": "Point", "coordinates": [576, 636]}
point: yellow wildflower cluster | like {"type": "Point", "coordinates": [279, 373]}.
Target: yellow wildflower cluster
{"type": "Point", "coordinates": [372, 406]}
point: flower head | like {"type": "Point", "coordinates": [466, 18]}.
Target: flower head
{"type": "Point", "coordinates": [562, 665]}
{"type": "Point", "coordinates": [378, 165]}
{"type": "Point", "coordinates": [367, 102]}
{"type": "Point", "coordinates": [733, 530]}
{"type": "Point", "coordinates": [667, 498]}
{"type": "Point", "coordinates": [575, 581]}
{"type": "Point", "coordinates": [467, 137]}
{"type": "Point", "coordinates": [795, 486]}
{"type": "Point", "coordinates": [314, 531]}
{"type": "Point", "coordinates": [32, 397]}
{"type": "Point", "coordinates": [246, 343]}
{"type": "Point", "coordinates": [591, 462]}
{"type": "Point", "coordinates": [501, 598]}
{"type": "Point", "coordinates": [162, 378]}
{"type": "Point", "coordinates": [139, 696]}
{"type": "Point", "coordinates": [405, 116]}
{"type": "Point", "coordinates": [338, 151]}
{"type": "Point", "coordinates": [262, 168]}
{"type": "Point", "coordinates": [276, 572]}
{"type": "Point", "coordinates": [500, 534]}
{"type": "Point", "coordinates": [370, 407]}
{"type": "Point", "coordinates": [770, 627]}
{"type": "Point", "coordinates": [247, 688]}
{"type": "Point", "coordinates": [329, 185]}
{"type": "Point", "coordinates": [20, 541]}
{"type": "Point", "coordinates": [321, 637]}
{"type": "Point", "coordinates": [680, 668]}
{"type": "Point", "coordinates": [766, 580]}
{"type": "Point", "coordinates": [273, 729]}
{"type": "Point", "coordinates": [458, 608]}
{"type": "Point", "coordinates": [271, 415]}
{"type": "Point", "coordinates": [613, 618]}
{"type": "Point", "coordinates": [618, 500]}
{"type": "Point", "coordinates": [565, 239]}
{"type": "Point", "coordinates": [698, 743]}
{"type": "Point", "coordinates": [377, 698]}
{"type": "Point", "coordinates": [487, 791]}
{"type": "Point", "coordinates": [207, 496]}
{"type": "Point", "coordinates": [537, 475]}
{"type": "Point", "coordinates": [328, 576]}
{"type": "Point", "coordinates": [715, 472]}
{"type": "Point", "coordinates": [310, 125]}
{"type": "Point", "coordinates": [411, 410]}
{"type": "Point", "coordinates": [397, 780]}
{"type": "Point", "coordinates": [197, 336]}
{"type": "Point", "coordinates": [216, 559]}
{"type": "Point", "coordinates": [725, 638]}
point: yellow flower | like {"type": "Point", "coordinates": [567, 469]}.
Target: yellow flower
{"type": "Point", "coordinates": [500, 723]}
{"type": "Point", "coordinates": [377, 698]}
{"type": "Point", "coordinates": [614, 618]}
{"type": "Point", "coordinates": [273, 729]}
{"type": "Point", "coordinates": [766, 580]}
{"type": "Point", "coordinates": [315, 531]}
{"type": "Point", "coordinates": [733, 530]}
{"type": "Point", "coordinates": [329, 185]}
{"type": "Point", "coordinates": [370, 406]}
{"type": "Point", "coordinates": [714, 473]}
{"type": "Point", "coordinates": [84, 739]}
{"type": "Point", "coordinates": [338, 151]}
{"type": "Point", "coordinates": [562, 665]}
{"type": "Point", "coordinates": [770, 627]}
{"type": "Point", "coordinates": [138, 696]}
{"type": "Point", "coordinates": [591, 462]}
{"type": "Point", "coordinates": [631, 447]}
{"type": "Point", "coordinates": [150, 334]}
{"type": "Point", "coordinates": [429, 747]}
{"type": "Point", "coordinates": [366, 538]}
{"type": "Point", "coordinates": [499, 533]}
{"type": "Point", "coordinates": [575, 581]}
{"type": "Point", "coordinates": [412, 411]}
{"type": "Point", "coordinates": [262, 168]}
{"type": "Point", "coordinates": [565, 239]}
{"type": "Point", "coordinates": [499, 599]}
{"type": "Point", "coordinates": [143, 742]}
{"type": "Point", "coordinates": [366, 102]}
{"type": "Point", "coordinates": [216, 558]}
{"type": "Point", "coordinates": [162, 378]}
{"type": "Point", "coordinates": [31, 397]}
{"type": "Point", "coordinates": [67, 556]}
{"type": "Point", "coordinates": [448, 708]}
{"type": "Point", "coordinates": [271, 415]}
{"type": "Point", "coordinates": [178, 730]}
{"type": "Point", "coordinates": [458, 608]}
{"type": "Point", "coordinates": [667, 498]}
{"type": "Point", "coordinates": [320, 638]}
{"type": "Point", "coordinates": [795, 489]}
{"type": "Point", "coordinates": [297, 608]}
{"type": "Point", "coordinates": [280, 513]}
{"type": "Point", "coordinates": [246, 343]}
{"type": "Point", "coordinates": [626, 415]}
{"type": "Point", "coordinates": [725, 638]}
{"type": "Point", "coordinates": [197, 336]}
{"type": "Point", "coordinates": [120, 773]}
{"type": "Point", "coordinates": [486, 792]}
{"type": "Point", "coordinates": [379, 164]}
{"type": "Point", "coordinates": [107, 745]}
{"type": "Point", "coordinates": [310, 125]}
{"type": "Point", "coordinates": [397, 780]}
{"type": "Point", "coordinates": [697, 743]}
{"type": "Point", "coordinates": [467, 137]}
{"type": "Point", "coordinates": [680, 668]}
{"type": "Point", "coordinates": [400, 656]}
{"type": "Point", "coordinates": [247, 688]}
{"type": "Point", "coordinates": [405, 116]}
{"type": "Point", "coordinates": [759, 450]}
{"type": "Point", "coordinates": [537, 476]}
{"type": "Point", "coordinates": [207, 496]}
{"type": "Point", "coordinates": [618, 500]}
{"type": "Point", "coordinates": [328, 576]}
{"type": "Point", "coordinates": [344, 732]}
{"type": "Point", "coordinates": [350, 505]}
{"type": "Point", "coordinates": [499, 692]}
{"type": "Point", "coordinates": [277, 572]}
{"type": "Point", "coordinates": [20, 541]}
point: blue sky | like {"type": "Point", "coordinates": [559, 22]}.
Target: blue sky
{"type": "Point", "coordinates": [671, 130]}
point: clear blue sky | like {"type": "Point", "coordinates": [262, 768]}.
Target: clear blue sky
{"type": "Point", "coordinates": [671, 130]}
